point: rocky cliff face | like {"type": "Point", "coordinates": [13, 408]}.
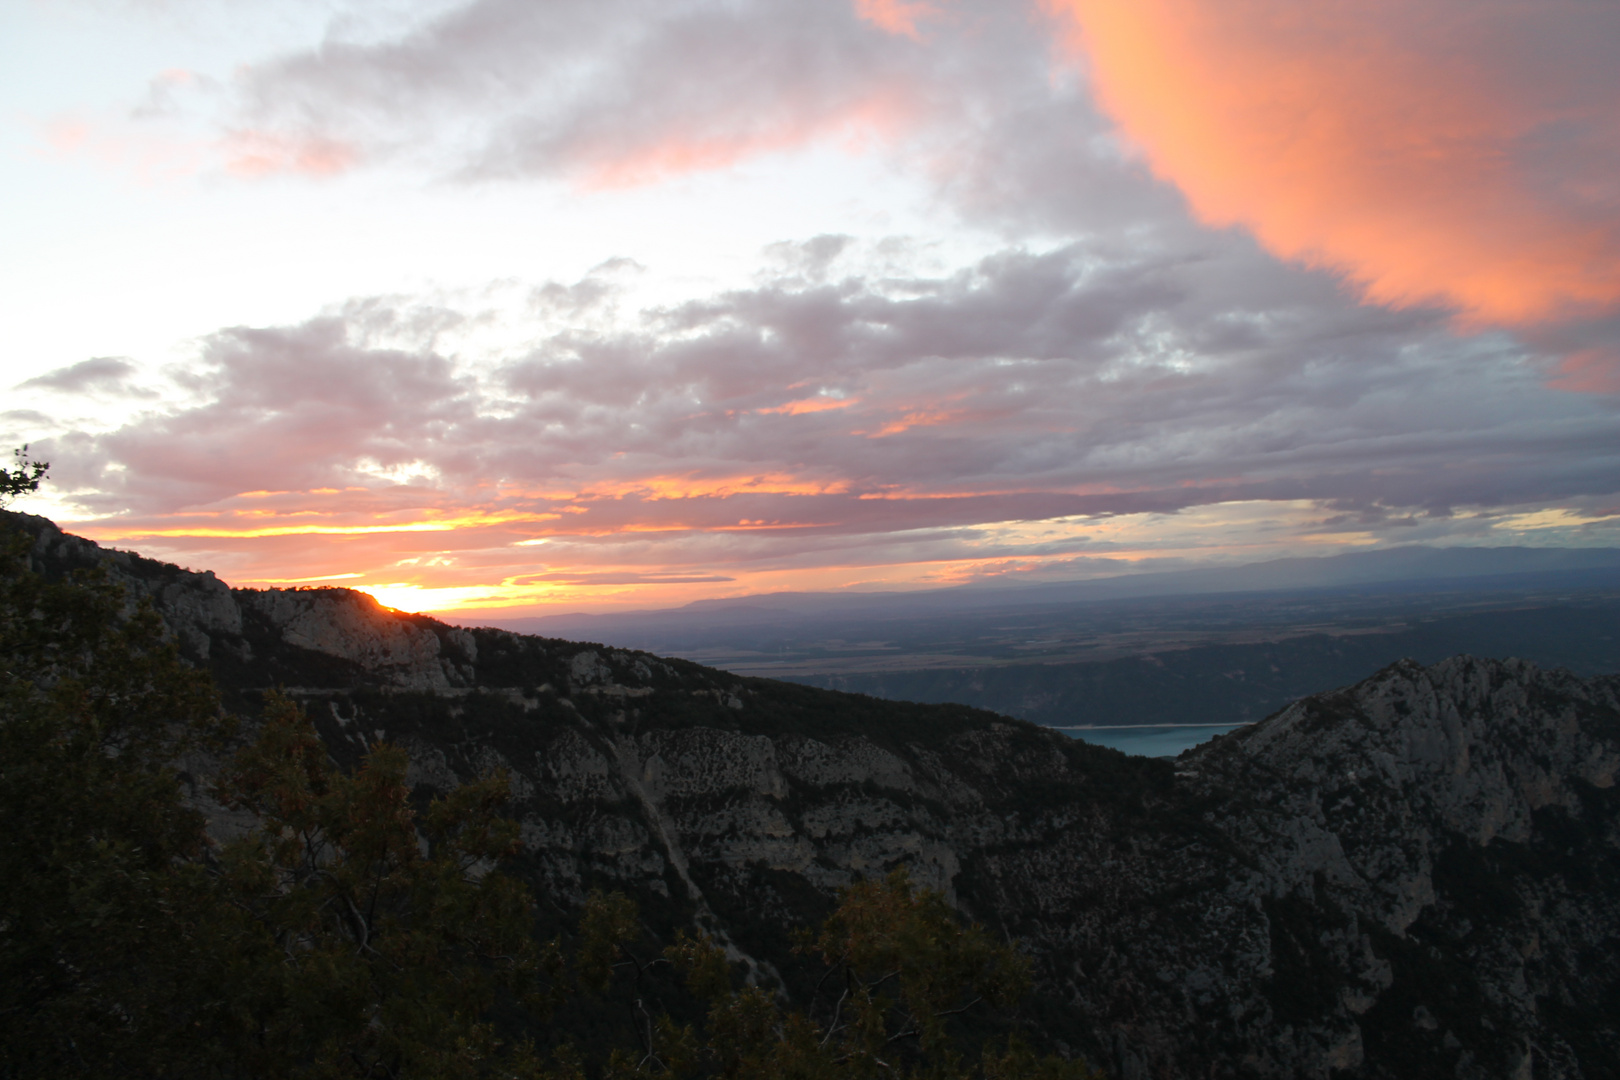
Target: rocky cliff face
{"type": "Point", "coordinates": [1417, 876]}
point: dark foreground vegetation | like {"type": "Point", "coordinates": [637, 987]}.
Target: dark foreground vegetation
{"type": "Point", "coordinates": [346, 931]}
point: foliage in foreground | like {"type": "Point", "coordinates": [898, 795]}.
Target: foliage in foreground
{"type": "Point", "coordinates": [101, 887]}
{"type": "Point", "coordinates": [343, 934]}
{"type": "Point", "coordinates": [23, 478]}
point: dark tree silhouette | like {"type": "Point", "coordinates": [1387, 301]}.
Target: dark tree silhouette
{"type": "Point", "coordinates": [23, 478]}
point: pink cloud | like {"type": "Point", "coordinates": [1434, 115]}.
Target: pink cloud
{"type": "Point", "coordinates": [154, 157]}
{"type": "Point", "coordinates": [265, 153]}
{"type": "Point", "coordinates": [1591, 371]}
{"type": "Point", "coordinates": [896, 16]}
{"type": "Point", "coordinates": [721, 141]}
{"type": "Point", "coordinates": [1452, 151]}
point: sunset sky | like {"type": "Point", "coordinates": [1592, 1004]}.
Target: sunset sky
{"type": "Point", "coordinates": [493, 307]}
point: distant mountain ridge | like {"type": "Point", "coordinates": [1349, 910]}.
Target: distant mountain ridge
{"type": "Point", "coordinates": [910, 645]}
{"type": "Point", "coordinates": [1412, 877]}
{"type": "Point", "coordinates": [1241, 683]}
{"type": "Point", "coordinates": [1387, 566]}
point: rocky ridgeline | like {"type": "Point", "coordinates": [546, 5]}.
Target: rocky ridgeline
{"type": "Point", "coordinates": [1417, 876]}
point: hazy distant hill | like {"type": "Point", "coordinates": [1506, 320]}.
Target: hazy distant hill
{"type": "Point", "coordinates": [1368, 584]}
{"type": "Point", "coordinates": [1241, 683]}
{"type": "Point", "coordinates": [1415, 568]}
{"type": "Point", "coordinates": [1229, 645]}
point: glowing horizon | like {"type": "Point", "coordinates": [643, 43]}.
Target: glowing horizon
{"type": "Point", "coordinates": [1008, 552]}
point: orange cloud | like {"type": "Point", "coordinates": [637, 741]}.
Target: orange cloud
{"type": "Point", "coordinates": [227, 529]}
{"type": "Point", "coordinates": [678, 486]}
{"type": "Point", "coordinates": [1445, 152]}
{"type": "Point", "coordinates": [915, 420]}
{"type": "Point", "coordinates": [896, 16]}
{"type": "Point", "coordinates": [304, 580]}
{"type": "Point", "coordinates": [808, 405]}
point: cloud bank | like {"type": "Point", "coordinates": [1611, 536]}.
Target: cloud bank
{"type": "Point", "coordinates": [841, 427]}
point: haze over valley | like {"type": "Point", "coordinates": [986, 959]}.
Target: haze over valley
{"type": "Point", "coordinates": [1216, 648]}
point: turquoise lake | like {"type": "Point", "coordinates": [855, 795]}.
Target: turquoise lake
{"type": "Point", "coordinates": [1166, 741]}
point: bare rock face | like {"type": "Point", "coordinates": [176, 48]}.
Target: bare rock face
{"type": "Point", "coordinates": [1417, 876]}
{"type": "Point", "coordinates": [1467, 750]}
{"type": "Point", "coordinates": [352, 626]}
{"type": "Point", "coordinates": [197, 605]}
{"type": "Point", "coordinates": [1461, 820]}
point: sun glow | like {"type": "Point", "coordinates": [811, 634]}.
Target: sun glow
{"type": "Point", "coordinates": [404, 596]}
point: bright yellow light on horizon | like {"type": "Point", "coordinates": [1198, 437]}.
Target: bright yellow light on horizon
{"type": "Point", "coordinates": [1557, 517]}
{"type": "Point", "coordinates": [416, 598]}
{"type": "Point", "coordinates": [502, 576]}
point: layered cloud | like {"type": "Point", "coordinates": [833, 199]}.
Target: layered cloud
{"type": "Point", "coordinates": [829, 429]}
